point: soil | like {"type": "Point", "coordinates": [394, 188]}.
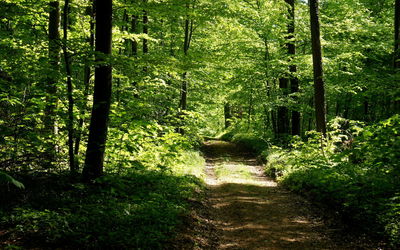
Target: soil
{"type": "Point", "coordinates": [257, 213]}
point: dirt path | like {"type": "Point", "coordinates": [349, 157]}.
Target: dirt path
{"type": "Point", "coordinates": [250, 211]}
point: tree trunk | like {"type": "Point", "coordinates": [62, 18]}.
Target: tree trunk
{"type": "Point", "coordinates": [134, 44]}
{"type": "Point", "coordinates": [145, 30]}
{"type": "Point", "coordinates": [227, 115]}
{"type": "Point", "coordinates": [54, 48]}
{"type": "Point", "coordinates": [396, 59]}
{"type": "Point", "coordinates": [102, 93]}
{"type": "Point", "coordinates": [319, 89]}
{"type": "Point", "coordinates": [54, 61]}
{"type": "Point", "coordinates": [184, 85]}
{"type": "Point", "coordinates": [70, 121]}
{"type": "Point", "coordinates": [294, 81]}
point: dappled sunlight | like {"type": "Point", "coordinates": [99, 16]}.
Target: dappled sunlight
{"type": "Point", "coordinates": [251, 211]}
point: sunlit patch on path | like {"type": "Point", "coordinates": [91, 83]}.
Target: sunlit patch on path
{"type": "Point", "coordinates": [251, 211]}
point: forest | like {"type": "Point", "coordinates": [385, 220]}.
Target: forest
{"type": "Point", "coordinates": [194, 124]}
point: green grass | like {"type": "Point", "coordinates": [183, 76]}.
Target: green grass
{"type": "Point", "coordinates": [228, 172]}
{"type": "Point", "coordinates": [190, 163]}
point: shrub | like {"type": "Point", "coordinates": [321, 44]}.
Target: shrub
{"type": "Point", "coordinates": [356, 171]}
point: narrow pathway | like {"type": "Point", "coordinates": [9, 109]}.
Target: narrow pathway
{"type": "Point", "coordinates": [251, 211]}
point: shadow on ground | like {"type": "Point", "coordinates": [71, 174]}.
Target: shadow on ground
{"type": "Point", "coordinates": [257, 213]}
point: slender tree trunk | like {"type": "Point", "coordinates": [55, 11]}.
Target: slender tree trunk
{"type": "Point", "coordinates": [294, 81]}
{"type": "Point", "coordinates": [86, 82]}
{"type": "Point", "coordinates": [184, 85]}
{"type": "Point", "coordinates": [68, 70]}
{"type": "Point", "coordinates": [134, 22]}
{"type": "Point", "coordinates": [54, 61]}
{"type": "Point", "coordinates": [396, 60]}
{"type": "Point", "coordinates": [49, 119]}
{"type": "Point", "coordinates": [268, 88]}
{"type": "Point", "coordinates": [319, 89]}
{"type": "Point", "coordinates": [145, 30]}
{"type": "Point", "coordinates": [347, 107]}
{"type": "Point", "coordinates": [102, 93]}
{"type": "Point", "coordinates": [227, 115]}
{"type": "Point", "coordinates": [396, 42]}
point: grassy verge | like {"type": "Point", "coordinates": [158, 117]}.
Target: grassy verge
{"type": "Point", "coordinates": [134, 209]}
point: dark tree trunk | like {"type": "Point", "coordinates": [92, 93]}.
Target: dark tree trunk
{"type": "Point", "coordinates": [396, 60]}
{"type": "Point", "coordinates": [347, 107]}
{"type": "Point", "coordinates": [70, 121]}
{"type": "Point", "coordinates": [49, 119]}
{"type": "Point", "coordinates": [294, 81]}
{"type": "Point", "coordinates": [102, 93]}
{"type": "Point", "coordinates": [184, 85]}
{"type": "Point", "coordinates": [283, 118]}
{"type": "Point", "coordinates": [227, 115]}
{"type": "Point", "coordinates": [134, 30]}
{"type": "Point", "coordinates": [319, 89]}
{"type": "Point", "coordinates": [366, 109]}
{"type": "Point", "coordinates": [145, 30]}
{"type": "Point", "coordinates": [54, 60]}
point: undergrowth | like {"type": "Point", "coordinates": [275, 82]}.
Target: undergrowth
{"type": "Point", "coordinates": [356, 171]}
{"type": "Point", "coordinates": [150, 181]}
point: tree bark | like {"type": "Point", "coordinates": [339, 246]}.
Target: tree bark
{"type": "Point", "coordinates": [145, 30]}
{"type": "Point", "coordinates": [134, 44]}
{"type": "Point", "coordinates": [319, 88]}
{"type": "Point", "coordinates": [54, 61]}
{"type": "Point", "coordinates": [396, 59]}
{"type": "Point", "coordinates": [102, 93]}
{"type": "Point", "coordinates": [184, 85]}
{"type": "Point", "coordinates": [294, 81]}
{"type": "Point", "coordinates": [68, 70]}
{"type": "Point", "coordinates": [227, 115]}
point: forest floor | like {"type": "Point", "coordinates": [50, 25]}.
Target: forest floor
{"type": "Point", "coordinates": [250, 211]}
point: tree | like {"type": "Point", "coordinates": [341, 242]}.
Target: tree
{"type": "Point", "coordinates": [294, 81]}
{"type": "Point", "coordinates": [54, 61]}
{"type": "Point", "coordinates": [145, 29]}
{"type": "Point", "coordinates": [68, 70]}
{"type": "Point", "coordinates": [319, 89]}
{"type": "Point", "coordinates": [186, 46]}
{"type": "Point", "coordinates": [396, 34]}
{"type": "Point", "coordinates": [102, 92]}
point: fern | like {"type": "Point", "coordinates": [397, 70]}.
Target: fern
{"type": "Point", "coordinates": [5, 178]}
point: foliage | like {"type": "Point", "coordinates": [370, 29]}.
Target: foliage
{"type": "Point", "coordinates": [236, 58]}
{"type": "Point", "coordinates": [355, 172]}
{"type": "Point", "coordinates": [5, 178]}
{"type": "Point", "coordinates": [136, 209]}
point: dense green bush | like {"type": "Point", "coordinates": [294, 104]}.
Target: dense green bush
{"type": "Point", "coordinates": [355, 171]}
{"type": "Point", "coordinates": [251, 141]}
